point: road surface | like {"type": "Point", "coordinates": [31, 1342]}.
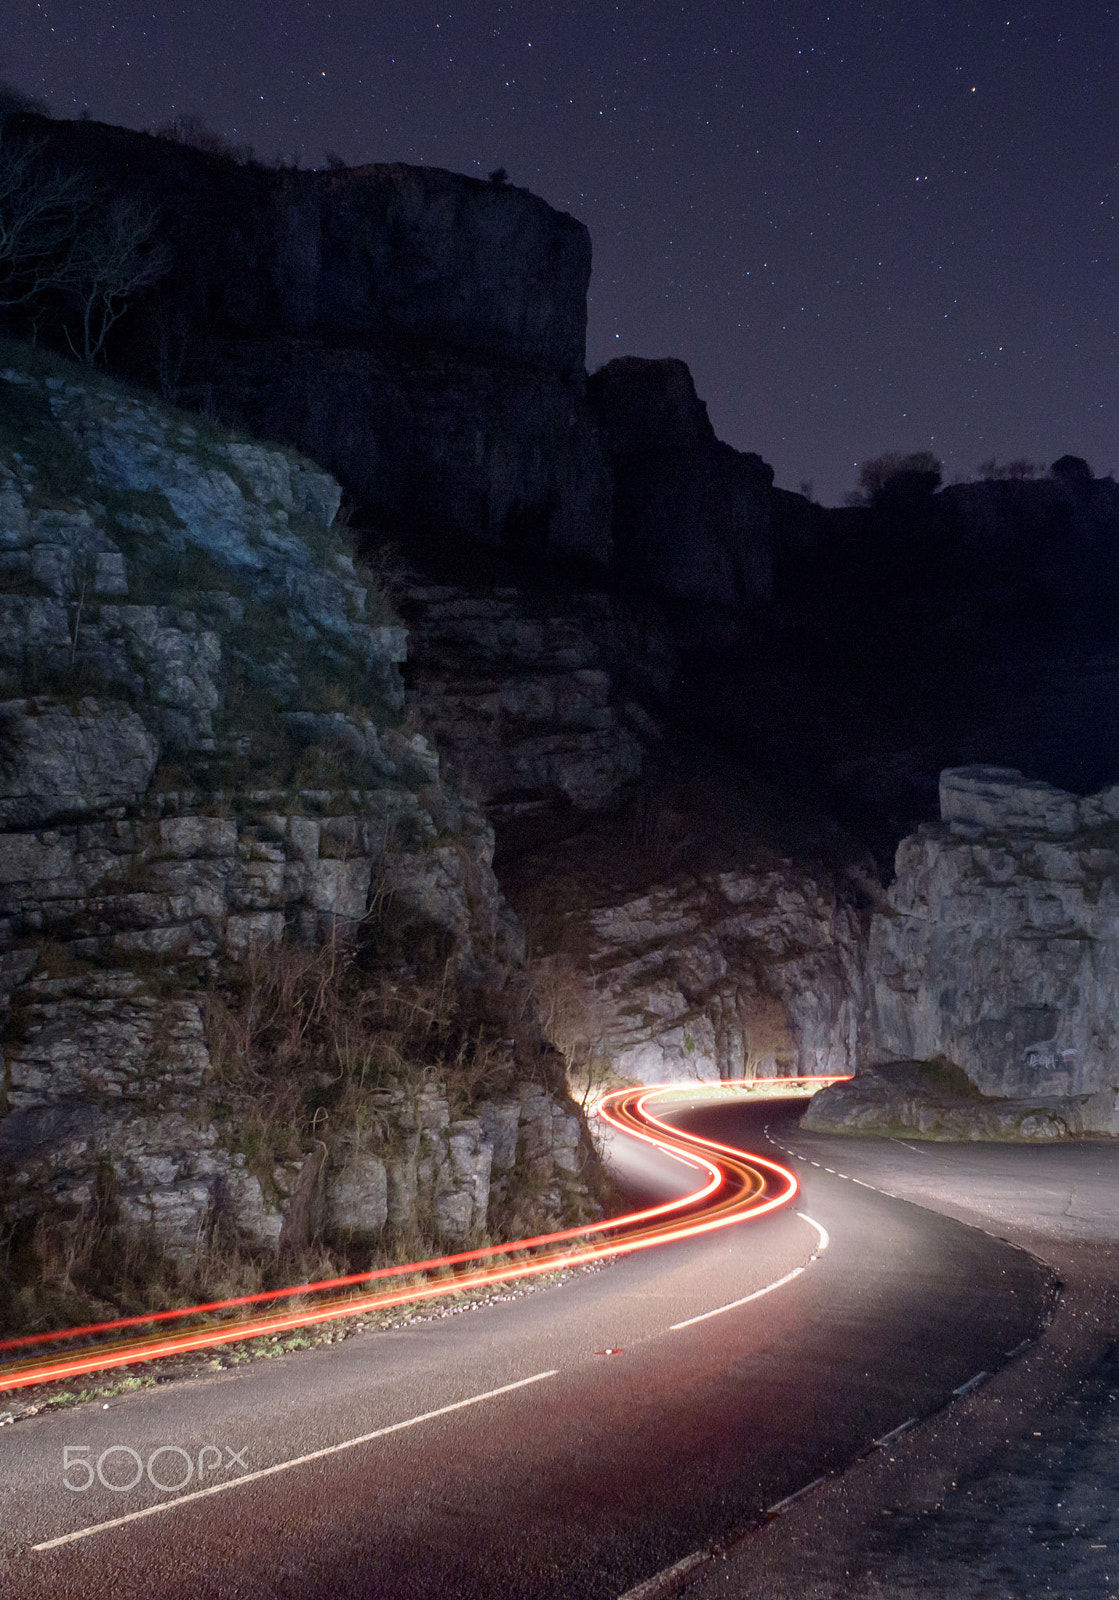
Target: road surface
{"type": "Point", "coordinates": [569, 1443]}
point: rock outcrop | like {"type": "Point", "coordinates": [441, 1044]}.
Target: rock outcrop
{"type": "Point", "coordinates": [205, 753]}
{"type": "Point", "coordinates": [999, 943]}
{"type": "Point", "coordinates": [418, 332]}
{"type": "Point", "coordinates": [514, 690]}
{"type": "Point", "coordinates": [747, 973]}
{"type": "Point", "coordinates": [692, 515]}
{"type": "Point", "coordinates": [927, 1100]}
{"type": "Point", "coordinates": [978, 800]}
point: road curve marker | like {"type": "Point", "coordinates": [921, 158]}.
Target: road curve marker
{"type": "Point", "coordinates": [825, 1237]}
{"type": "Point", "coordinates": [734, 1304]}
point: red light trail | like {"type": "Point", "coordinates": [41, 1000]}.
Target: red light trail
{"type": "Point", "coordinates": [734, 1187]}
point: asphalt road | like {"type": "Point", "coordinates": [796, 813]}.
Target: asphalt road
{"type": "Point", "coordinates": [1013, 1490]}
{"type": "Point", "coordinates": [570, 1442]}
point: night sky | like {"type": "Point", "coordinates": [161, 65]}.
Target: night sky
{"type": "Point", "coordinates": [890, 227]}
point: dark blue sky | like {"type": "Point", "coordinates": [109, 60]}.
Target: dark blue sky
{"type": "Point", "coordinates": [864, 226]}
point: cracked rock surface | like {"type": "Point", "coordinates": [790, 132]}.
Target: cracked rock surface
{"type": "Point", "coordinates": [204, 752]}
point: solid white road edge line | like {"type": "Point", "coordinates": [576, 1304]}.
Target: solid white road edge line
{"type": "Point", "coordinates": [779, 1283]}
{"type": "Point", "coordinates": [912, 1147]}
{"type": "Point", "coordinates": [825, 1238]}
{"type": "Point", "coordinates": [734, 1304]}
{"type": "Point", "coordinates": [296, 1461]}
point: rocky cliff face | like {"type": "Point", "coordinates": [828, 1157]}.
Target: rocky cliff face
{"type": "Point", "coordinates": [418, 332]}
{"type": "Point", "coordinates": [691, 514]}
{"type": "Point", "coordinates": [205, 756]}
{"type": "Point", "coordinates": [736, 974]}
{"type": "Point", "coordinates": [515, 690]}
{"type": "Point", "coordinates": [999, 944]}
{"type": "Point", "coordinates": [661, 951]}
{"type": "Point", "coordinates": [422, 335]}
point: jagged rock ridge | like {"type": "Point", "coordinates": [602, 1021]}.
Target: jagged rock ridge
{"type": "Point", "coordinates": [692, 517]}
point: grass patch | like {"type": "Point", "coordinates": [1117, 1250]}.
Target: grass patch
{"type": "Point", "coordinates": [319, 1033]}
{"type": "Point", "coordinates": [942, 1076]}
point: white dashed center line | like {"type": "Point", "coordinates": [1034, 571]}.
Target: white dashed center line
{"type": "Point", "coordinates": [296, 1461]}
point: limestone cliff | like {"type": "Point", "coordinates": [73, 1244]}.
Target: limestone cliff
{"type": "Point", "coordinates": [419, 332]}
{"type": "Point", "coordinates": [205, 757]}
{"type": "Point", "coordinates": [691, 514]}
{"type": "Point", "coordinates": [997, 952]}
{"type": "Point", "coordinates": [747, 973]}
{"type": "Point", "coordinates": [1000, 943]}
{"type": "Point", "coordinates": [674, 943]}
{"type": "Point", "coordinates": [516, 689]}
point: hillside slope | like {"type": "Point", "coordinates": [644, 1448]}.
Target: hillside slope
{"type": "Point", "coordinates": [260, 987]}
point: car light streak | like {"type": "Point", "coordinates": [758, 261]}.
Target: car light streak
{"type": "Point", "coordinates": [731, 1187]}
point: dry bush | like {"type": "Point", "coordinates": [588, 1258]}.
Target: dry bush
{"type": "Point", "coordinates": [62, 1269]}
{"type": "Point", "coordinates": [312, 1037]}
{"type": "Point", "coordinates": [576, 1021]}
{"type": "Point", "coordinates": [768, 1045]}
{"type": "Point", "coordinates": [896, 476]}
{"type": "Point", "coordinates": [310, 1047]}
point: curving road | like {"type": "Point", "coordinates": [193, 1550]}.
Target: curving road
{"type": "Point", "coordinates": [571, 1442]}
{"type": "Point", "coordinates": [718, 1188]}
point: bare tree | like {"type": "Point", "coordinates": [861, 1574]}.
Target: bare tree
{"type": "Point", "coordinates": [576, 1021]}
{"type": "Point", "coordinates": [894, 477]}
{"type": "Point", "coordinates": [111, 260]}
{"type": "Point", "coordinates": [192, 131]}
{"type": "Point", "coordinates": [41, 215]}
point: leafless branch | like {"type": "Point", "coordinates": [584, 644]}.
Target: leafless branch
{"type": "Point", "coordinates": [111, 260]}
{"type": "Point", "coordinates": [41, 214]}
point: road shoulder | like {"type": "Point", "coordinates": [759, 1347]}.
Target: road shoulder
{"type": "Point", "coordinates": [1012, 1490]}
